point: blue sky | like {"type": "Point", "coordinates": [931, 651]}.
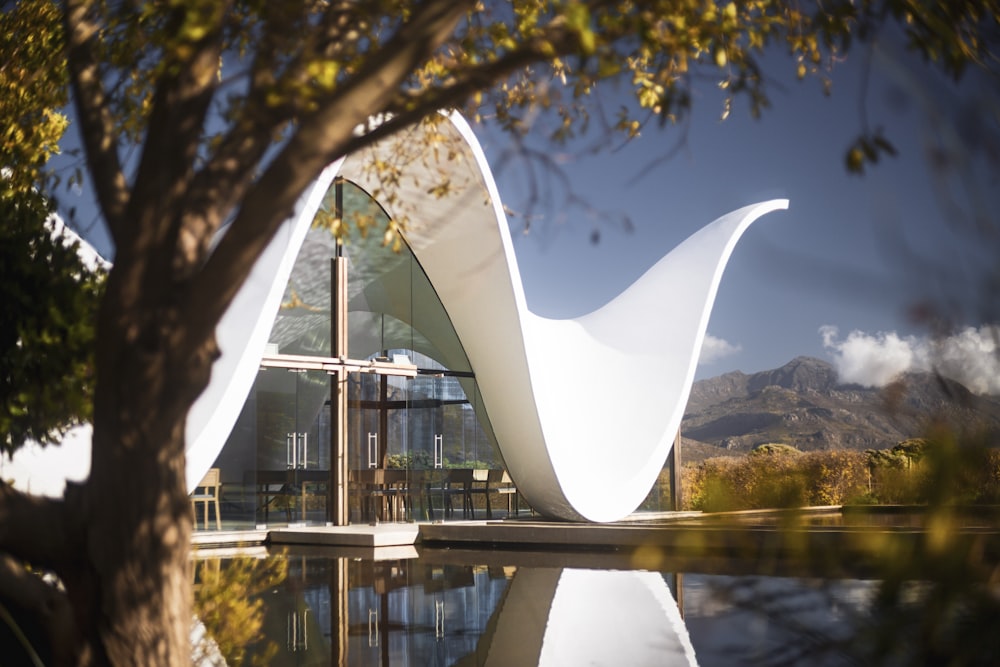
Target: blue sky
{"type": "Point", "coordinates": [840, 257]}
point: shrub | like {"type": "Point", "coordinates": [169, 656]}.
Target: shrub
{"type": "Point", "coordinates": [772, 448]}
{"type": "Point", "coordinates": [835, 477]}
{"type": "Point", "coordinates": [775, 479]}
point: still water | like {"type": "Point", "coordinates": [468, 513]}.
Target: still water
{"type": "Point", "coordinates": [455, 607]}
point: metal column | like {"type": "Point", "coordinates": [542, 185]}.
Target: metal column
{"type": "Point", "coordinates": [338, 485]}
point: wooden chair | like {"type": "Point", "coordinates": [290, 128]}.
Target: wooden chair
{"type": "Point", "coordinates": [501, 483]}
{"type": "Point", "coordinates": [207, 492]}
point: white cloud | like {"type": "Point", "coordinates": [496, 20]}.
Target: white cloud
{"type": "Point", "coordinates": [970, 356]}
{"type": "Point", "coordinates": [873, 360]}
{"type": "Point", "coordinates": [714, 349]}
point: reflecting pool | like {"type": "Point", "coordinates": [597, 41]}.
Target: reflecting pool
{"type": "Point", "coordinates": [405, 606]}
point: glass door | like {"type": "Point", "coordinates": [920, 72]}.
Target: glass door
{"type": "Point", "coordinates": [427, 446]}
{"type": "Point", "coordinates": [293, 446]}
{"type": "Point", "coordinates": [364, 446]}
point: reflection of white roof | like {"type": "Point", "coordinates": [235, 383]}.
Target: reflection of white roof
{"type": "Point", "coordinates": [584, 410]}
{"type": "Point", "coordinates": [565, 616]}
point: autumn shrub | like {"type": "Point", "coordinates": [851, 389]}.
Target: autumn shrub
{"type": "Point", "coordinates": [776, 479]}
{"type": "Point", "coordinates": [772, 480]}
{"type": "Point", "coordinates": [938, 470]}
{"type": "Point", "coordinates": [706, 486]}
{"type": "Point", "coordinates": [835, 477]}
{"type": "Point", "coordinates": [692, 481]}
{"type": "Point", "coordinates": [898, 486]}
{"type": "Point", "coordinates": [750, 482]}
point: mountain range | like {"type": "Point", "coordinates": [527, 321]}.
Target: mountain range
{"type": "Point", "coordinates": [803, 404]}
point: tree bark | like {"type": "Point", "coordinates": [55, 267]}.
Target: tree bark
{"type": "Point", "coordinates": [43, 614]}
{"type": "Point", "coordinates": [132, 597]}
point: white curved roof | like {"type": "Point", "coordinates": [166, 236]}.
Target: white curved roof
{"type": "Point", "coordinates": [585, 410]}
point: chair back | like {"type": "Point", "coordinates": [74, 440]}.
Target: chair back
{"type": "Point", "coordinates": [457, 476]}
{"type": "Point", "coordinates": [369, 476]}
{"type": "Point", "coordinates": [211, 479]}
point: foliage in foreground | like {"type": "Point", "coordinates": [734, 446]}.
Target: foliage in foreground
{"type": "Point", "coordinates": [48, 296]}
{"type": "Point", "coordinates": [48, 329]}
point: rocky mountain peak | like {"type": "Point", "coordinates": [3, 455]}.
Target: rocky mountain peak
{"type": "Point", "coordinates": [801, 374]}
{"type": "Point", "coordinates": [803, 405]}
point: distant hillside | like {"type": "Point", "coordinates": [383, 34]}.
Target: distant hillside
{"type": "Point", "coordinates": [803, 405]}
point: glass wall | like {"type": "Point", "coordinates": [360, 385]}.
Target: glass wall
{"type": "Point", "coordinates": [418, 448]}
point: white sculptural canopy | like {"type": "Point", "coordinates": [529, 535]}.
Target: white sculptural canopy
{"type": "Point", "coordinates": [576, 443]}
{"type": "Point", "coordinates": [584, 410]}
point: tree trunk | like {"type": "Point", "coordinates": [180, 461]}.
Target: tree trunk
{"type": "Point", "coordinates": [133, 599]}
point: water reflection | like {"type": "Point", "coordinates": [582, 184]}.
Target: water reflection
{"type": "Point", "coordinates": [767, 620]}
{"type": "Point", "coordinates": [566, 616]}
{"type": "Point", "coordinates": [453, 607]}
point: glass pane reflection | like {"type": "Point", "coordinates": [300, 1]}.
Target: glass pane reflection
{"type": "Point", "coordinates": [416, 448]}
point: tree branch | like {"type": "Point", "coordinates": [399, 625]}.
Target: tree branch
{"type": "Point", "coordinates": [176, 123]}
{"type": "Point", "coordinates": [97, 124]}
{"type": "Point", "coordinates": [47, 606]}
{"type": "Point", "coordinates": [468, 82]}
{"type": "Point", "coordinates": [34, 529]}
{"type": "Point", "coordinates": [319, 140]}
{"type": "Point", "coordinates": [223, 182]}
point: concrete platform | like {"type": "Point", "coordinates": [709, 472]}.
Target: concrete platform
{"type": "Point", "coordinates": [381, 535]}
{"type": "Point", "coordinates": [547, 534]}
{"type": "Point", "coordinates": [206, 539]}
{"type": "Point", "coordinates": [364, 535]}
